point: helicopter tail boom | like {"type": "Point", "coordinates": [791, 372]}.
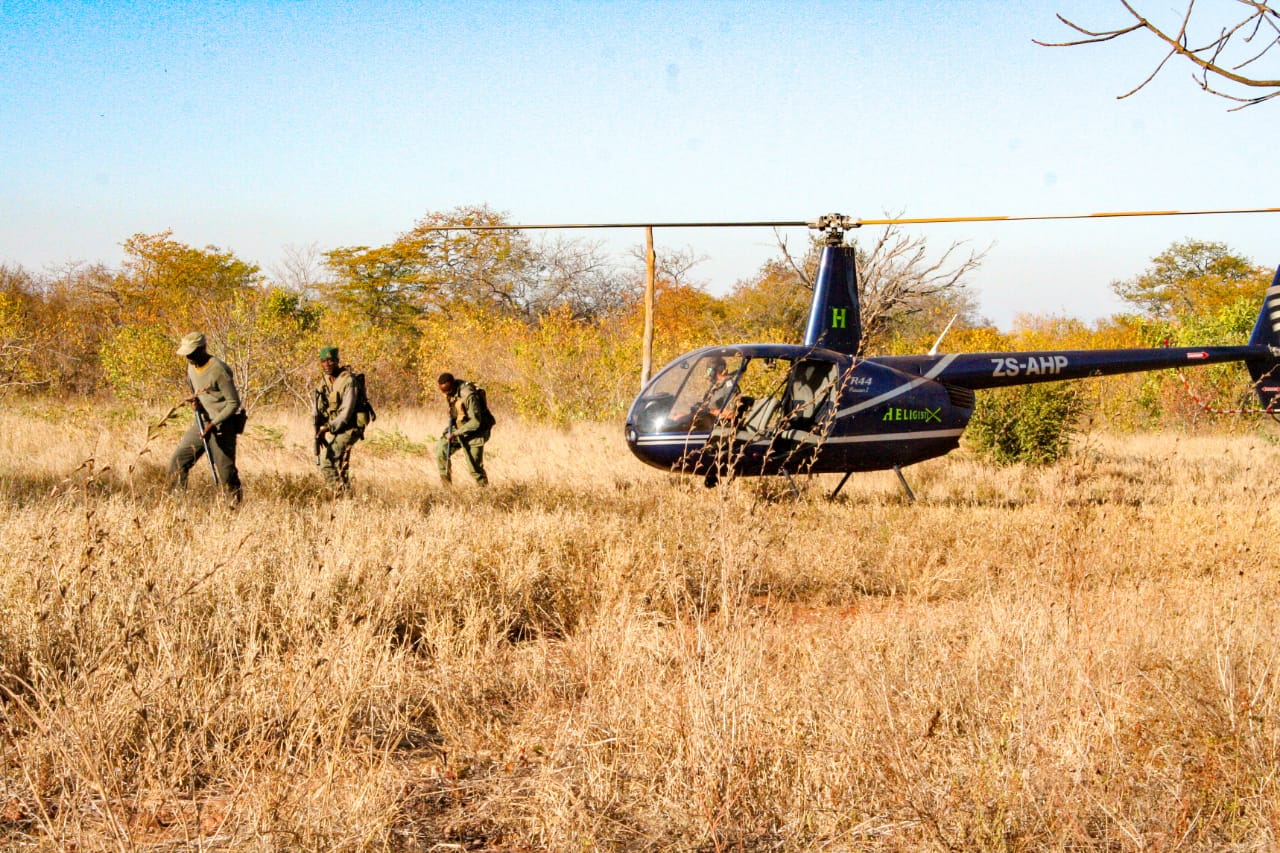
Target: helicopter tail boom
{"type": "Point", "coordinates": [983, 370]}
{"type": "Point", "coordinates": [1001, 369]}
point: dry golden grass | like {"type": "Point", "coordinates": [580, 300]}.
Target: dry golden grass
{"type": "Point", "coordinates": [594, 655]}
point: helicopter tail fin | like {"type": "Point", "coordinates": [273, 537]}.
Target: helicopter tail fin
{"type": "Point", "coordinates": [1265, 370]}
{"type": "Point", "coordinates": [834, 319]}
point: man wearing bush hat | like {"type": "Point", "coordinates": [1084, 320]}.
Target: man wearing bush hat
{"type": "Point", "coordinates": [219, 418]}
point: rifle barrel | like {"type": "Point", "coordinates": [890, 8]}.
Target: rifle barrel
{"type": "Point", "coordinates": [200, 424]}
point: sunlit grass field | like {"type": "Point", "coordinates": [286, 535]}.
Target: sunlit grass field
{"type": "Point", "coordinates": [593, 655]}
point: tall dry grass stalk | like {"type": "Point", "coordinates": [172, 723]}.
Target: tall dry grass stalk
{"type": "Point", "coordinates": [594, 655]}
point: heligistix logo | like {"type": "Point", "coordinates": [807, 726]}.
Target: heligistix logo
{"type": "Point", "coordinates": [896, 413]}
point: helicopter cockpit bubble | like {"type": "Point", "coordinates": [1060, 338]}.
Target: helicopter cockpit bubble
{"type": "Point", "coordinates": [687, 394]}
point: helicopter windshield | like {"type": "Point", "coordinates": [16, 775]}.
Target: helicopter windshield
{"type": "Point", "coordinates": [755, 408]}
{"type": "Point", "coordinates": [717, 391]}
{"type": "Point", "coordinates": [690, 395]}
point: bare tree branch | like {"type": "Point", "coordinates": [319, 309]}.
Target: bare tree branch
{"type": "Point", "coordinates": [1211, 59]}
{"type": "Point", "coordinates": [301, 269]}
{"type": "Point", "coordinates": [791, 262]}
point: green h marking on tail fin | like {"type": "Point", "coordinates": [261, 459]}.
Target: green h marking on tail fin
{"type": "Point", "coordinates": [837, 318]}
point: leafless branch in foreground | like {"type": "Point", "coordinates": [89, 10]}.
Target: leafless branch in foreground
{"type": "Point", "coordinates": [1221, 61]}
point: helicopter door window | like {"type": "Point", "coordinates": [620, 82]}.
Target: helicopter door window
{"type": "Point", "coordinates": [760, 388]}
{"type": "Point", "coordinates": [809, 395]}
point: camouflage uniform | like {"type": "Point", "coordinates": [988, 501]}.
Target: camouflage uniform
{"type": "Point", "coordinates": [334, 406]}
{"type": "Point", "coordinates": [215, 388]}
{"type": "Point", "coordinates": [469, 426]}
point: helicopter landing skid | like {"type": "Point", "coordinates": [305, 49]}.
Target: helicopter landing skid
{"type": "Point", "coordinates": [790, 482]}
{"type": "Point", "coordinates": [911, 497]}
{"type": "Point", "coordinates": [847, 474]}
{"type": "Point", "coordinates": [840, 485]}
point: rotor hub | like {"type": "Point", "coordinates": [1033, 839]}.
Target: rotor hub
{"type": "Point", "coordinates": [833, 226]}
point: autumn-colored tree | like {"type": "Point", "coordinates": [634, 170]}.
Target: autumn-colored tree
{"type": "Point", "coordinates": [685, 317]}
{"type": "Point", "coordinates": [1193, 278]}
{"type": "Point", "coordinates": [174, 286]}
{"type": "Point", "coordinates": [69, 328]}
{"type": "Point", "coordinates": [427, 269]}
{"type": "Point", "coordinates": [139, 364]}
{"type": "Point", "coordinates": [442, 263]}
{"type": "Point", "coordinates": [1224, 386]}
{"type": "Point", "coordinates": [165, 289]}
{"type": "Point", "coordinates": [770, 306]}
{"type": "Point", "coordinates": [17, 344]}
{"type": "Point", "coordinates": [372, 284]}
{"type": "Point", "coordinates": [1194, 293]}
{"type": "Point", "coordinates": [53, 327]}
{"type": "Point", "coordinates": [268, 338]}
{"type": "Point", "coordinates": [574, 369]}
{"type": "Point", "coordinates": [382, 296]}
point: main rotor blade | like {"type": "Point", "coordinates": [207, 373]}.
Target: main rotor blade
{"type": "Point", "coordinates": [1114, 214]}
{"type": "Point", "coordinates": [764, 223]}
{"type": "Point", "coordinates": [846, 222]}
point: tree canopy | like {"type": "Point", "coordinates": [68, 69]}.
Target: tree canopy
{"type": "Point", "coordinates": [1193, 278]}
{"type": "Point", "coordinates": [430, 269]}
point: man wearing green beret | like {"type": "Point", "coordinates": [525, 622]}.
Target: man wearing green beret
{"type": "Point", "coordinates": [219, 418]}
{"type": "Point", "coordinates": [340, 414]}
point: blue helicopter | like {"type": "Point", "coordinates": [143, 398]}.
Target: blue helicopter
{"type": "Point", "coordinates": [819, 407]}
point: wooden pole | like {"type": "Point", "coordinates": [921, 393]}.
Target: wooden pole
{"type": "Point", "coordinates": [646, 347]}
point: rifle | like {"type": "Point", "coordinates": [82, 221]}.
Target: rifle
{"type": "Point", "coordinates": [200, 425]}
{"type": "Point", "coordinates": [318, 420]}
{"type": "Point", "coordinates": [448, 456]}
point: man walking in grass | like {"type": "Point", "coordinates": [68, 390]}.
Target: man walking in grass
{"type": "Point", "coordinates": [339, 417]}
{"type": "Point", "coordinates": [219, 419]}
{"type": "Point", "coordinates": [470, 423]}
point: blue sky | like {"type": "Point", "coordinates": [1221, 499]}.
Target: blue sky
{"type": "Point", "coordinates": [256, 126]}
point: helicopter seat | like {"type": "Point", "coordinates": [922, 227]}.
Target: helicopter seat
{"type": "Point", "coordinates": [757, 418]}
{"type": "Point", "coordinates": [808, 396]}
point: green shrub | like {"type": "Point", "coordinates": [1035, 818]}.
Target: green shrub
{"type": "Point", "coordinates": [140, 364]}
{"type": "Point", "coordinates": [1032, 424]}
{"type": "Point", "coordinates": [384, 443]}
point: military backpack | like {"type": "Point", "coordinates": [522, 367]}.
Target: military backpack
{"type": "Point", "coordinates": [487, 420]}
{"type": "Point", "coordinates": [365, 414]}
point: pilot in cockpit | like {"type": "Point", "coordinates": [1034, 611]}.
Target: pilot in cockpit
{"type": "Point", "coordinates": [716, 403]}
{"type": "Point", "coordinates": [720, 394]}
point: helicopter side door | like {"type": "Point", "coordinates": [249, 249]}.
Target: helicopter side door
{"type": "Point", "coordinates": [785, 410]}
{"type": "Point", "coordinates": [810, 399]}
{"type": "Point", "coordinates": [758, 405]}
{"type": "Point", "coordinates": [808, 413]}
